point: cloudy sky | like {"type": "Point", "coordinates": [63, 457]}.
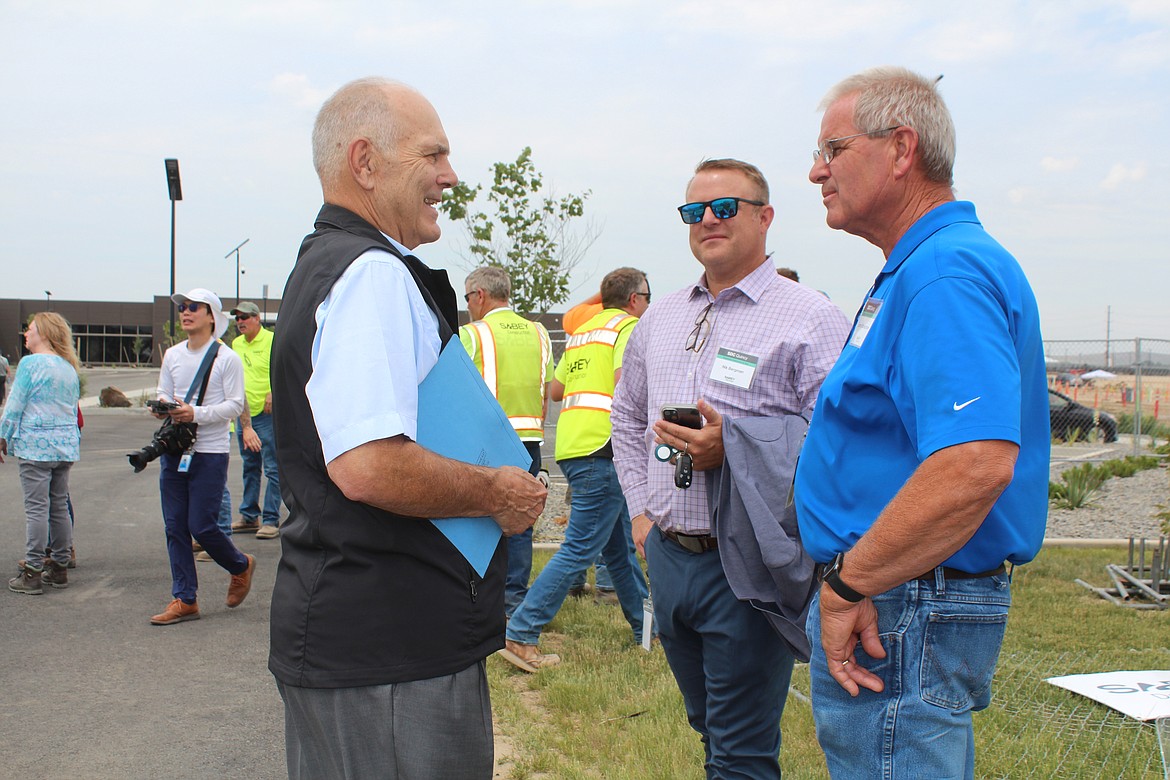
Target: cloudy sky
{"type": "Point", "coordinates": [1062, 110]}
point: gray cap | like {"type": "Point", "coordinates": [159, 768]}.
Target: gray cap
{"type": "Point", "coordinates": [246, 307]}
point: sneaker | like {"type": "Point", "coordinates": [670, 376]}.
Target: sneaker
{"type": "Point", "coordinates": [28, 581]}
{"type": "Point", "coordinates": [244, 524]}
{"type": "Point", "coordinates": [56, 575]}
{"type": "Point", "coordinates": [241, 583]}
{"type": "Point", "coordinates": [204, 557]}
{"type": "Point", "coordinates": [267, 532]}
{"type": "Point", "coordinates": [605, 596]}
{"type": "Point", "coordinates": [176, 612]}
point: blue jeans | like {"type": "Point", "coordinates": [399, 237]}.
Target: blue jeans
{"type": "Point", "coordinates": [224, 521]}
{"type": "Point", "coordinates": [190, 507]}
{"type": "Point", "coordinates": [520, 550]}
{"type": "Point", "coordinates": [942, 642]}
{"type": "Point", "coordinates": [253, 461]}
{"type": "Point", "coordinates": [732, 668]}
{"type": "Point", "coordinates": [596, 519]}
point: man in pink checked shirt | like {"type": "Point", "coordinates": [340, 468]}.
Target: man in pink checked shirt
{"type": "Point", "coordinates": [744, 342]}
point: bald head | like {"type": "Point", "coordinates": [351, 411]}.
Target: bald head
{"type": "Point", "coordinates": [365, 108]}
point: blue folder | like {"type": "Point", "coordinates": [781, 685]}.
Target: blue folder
{"type": "Point", "coordinates": [459, 418]}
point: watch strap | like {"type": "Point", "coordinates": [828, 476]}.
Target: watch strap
{"type": "Point", "coordinates": [832, 578]}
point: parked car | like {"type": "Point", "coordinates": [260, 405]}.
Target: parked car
{"type": "Point", "coordinates": [1070, 420]}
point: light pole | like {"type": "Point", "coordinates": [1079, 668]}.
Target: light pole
{"type": "Point", "coordinates": [175, 192]}
{"type": "Point", "coordinates": [48, 301]}
{"type": "Point", "coordinates": [236, 251]}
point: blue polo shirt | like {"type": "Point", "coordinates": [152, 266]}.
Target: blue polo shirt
{"type": "Point", "coordinates": [945, 350]}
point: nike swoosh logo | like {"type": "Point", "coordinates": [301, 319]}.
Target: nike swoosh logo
{"type": "Point", "coordinates": [964, 406]}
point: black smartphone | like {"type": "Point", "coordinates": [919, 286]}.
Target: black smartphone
{"type": "Point", "coordinates": [686, 415]}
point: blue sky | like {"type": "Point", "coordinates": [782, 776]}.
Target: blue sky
{"type": "Point", "coordinates": [1062, 110]}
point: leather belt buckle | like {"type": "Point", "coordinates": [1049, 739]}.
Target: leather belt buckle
{"type": "Point", "coordinates": [693, 543]}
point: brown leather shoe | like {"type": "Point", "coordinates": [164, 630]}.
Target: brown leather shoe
{"type": "Point", "coordinates": [176, 612]}
{"type": "Point", "coordinates": [527, 658]}
{"type": "Point", "coordinates": [241, 584]}
{"type": "Point", "coordinates": [244, 524]}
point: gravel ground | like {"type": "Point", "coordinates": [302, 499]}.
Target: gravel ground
{"type": "Point", "coordinates": [1122, 508]}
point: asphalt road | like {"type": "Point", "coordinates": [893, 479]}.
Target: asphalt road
{"type": "Point", "coordinates": [90, 688]}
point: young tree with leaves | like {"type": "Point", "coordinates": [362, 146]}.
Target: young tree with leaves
{"type": "Point", "coordinates": [529, 234]}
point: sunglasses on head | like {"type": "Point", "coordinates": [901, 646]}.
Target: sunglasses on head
{"type": "Point", "coordinates": [722, 208]}
{"type": "Point", "coordinates": [190, 306]}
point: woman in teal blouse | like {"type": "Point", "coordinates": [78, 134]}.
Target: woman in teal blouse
{"type": "Point", "coordinates": [39, 427]}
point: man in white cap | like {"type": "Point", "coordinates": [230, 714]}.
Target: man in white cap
{"type": "Point", "coordinates": [205, 382]}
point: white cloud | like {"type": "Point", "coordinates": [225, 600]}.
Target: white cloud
{"type": "Point", "coordinates": [1059, 164]}
{"type": "Point", "coordinates": [296, 89]}
{"type": "Point", "coordinates": [1120, 174]}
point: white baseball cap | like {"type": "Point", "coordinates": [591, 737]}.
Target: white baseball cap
{"type": "Point", "coordinates": [201, 295]}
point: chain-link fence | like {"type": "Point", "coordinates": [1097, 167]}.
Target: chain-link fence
{"type": "Point", "coordinates": [1109, 388]}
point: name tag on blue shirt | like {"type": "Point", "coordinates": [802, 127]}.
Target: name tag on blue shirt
{"type": "Point", "coordinates": [865, 320]}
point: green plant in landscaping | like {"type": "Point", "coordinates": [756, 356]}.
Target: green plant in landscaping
{"type": "Point", "coordinates": [1077, 488]}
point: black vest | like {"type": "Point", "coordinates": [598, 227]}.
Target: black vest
{"type": "Point", "coordinates": [362, 596]}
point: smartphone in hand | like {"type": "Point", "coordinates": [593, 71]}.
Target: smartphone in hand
{"type": "Point", "coordinates": [686, 415]}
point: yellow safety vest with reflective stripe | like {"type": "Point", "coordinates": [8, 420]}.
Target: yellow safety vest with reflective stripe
{"type": "Point", "coordinates": [592, 355]}
{"type": "Point", "coordinates": [514, 355]}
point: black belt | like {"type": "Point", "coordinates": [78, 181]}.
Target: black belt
{"type": "Point", "coordinates": [947, 571]}
{"type": "Point", "coordinates": [693, 543]}
{"type": "Point", "coordinates": [957, 574]}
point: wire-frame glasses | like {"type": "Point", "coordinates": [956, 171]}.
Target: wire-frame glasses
{"type": "Point", "coordinates": [701, 331]}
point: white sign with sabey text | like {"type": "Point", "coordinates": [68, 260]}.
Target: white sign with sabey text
{"type": "Point", "coordinates": [1140, 695]}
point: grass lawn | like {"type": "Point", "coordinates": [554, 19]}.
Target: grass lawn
{"type": "Point", "coordinates": [611, 710]}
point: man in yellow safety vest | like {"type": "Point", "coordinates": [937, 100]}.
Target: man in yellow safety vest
{"type": "Point", "coordinates": [598, 519]}
{"type": "Point", "coordinates": [514, 355]}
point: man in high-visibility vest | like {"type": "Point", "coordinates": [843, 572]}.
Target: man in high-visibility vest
{"type": "Point", "coordinates": [598, 519]}
{"type": "Point", "coordinates": [514, 355]}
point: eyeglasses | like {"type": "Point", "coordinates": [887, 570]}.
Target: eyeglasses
{"type": "Point", "coordinates": [243, 317]}
{"type": "Point", "coordinates": [645, 295]}
{"type": "Point", "coordinates": [702, 330]}
{"type": "Point", "coordinates": [467, 297]}
{"type": "Point", "coordinates": [721, 208]}
{"type": "Point", "coordinates": [826, 151]}
{"type": "Point", "coordinates": [190, 306]}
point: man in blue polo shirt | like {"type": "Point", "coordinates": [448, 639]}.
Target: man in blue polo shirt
{"type": "Point", "coordinates": [926, 464]}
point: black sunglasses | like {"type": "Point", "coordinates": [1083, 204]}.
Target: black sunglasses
{"type": "Point", "coordinates": [722, 208]}
{"type": "Point", "coordinates": [645, 295]}
{"type": "Point", "coordinates": [243, 317]}
{"type": "Point", "coordinates": [191, 306]}
{"type": "Point", "coordinates": [467, 297]}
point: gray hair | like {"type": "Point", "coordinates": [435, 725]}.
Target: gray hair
{"type": "Point", "coordinates": [492, 280]}
{"type": "Point", "coordinates": [618, 285]}
{"type": "Point", "coordinates": [753, 174]}
{"type": "Point", "coordinates": [896, 96]}
{"type": "Point", "coordinates": [360, 109]}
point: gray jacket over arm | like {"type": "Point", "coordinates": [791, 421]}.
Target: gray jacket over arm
{"type": "Point", "coordinates": [754, 520]}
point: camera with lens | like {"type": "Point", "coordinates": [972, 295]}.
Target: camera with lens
{"type": "Point", "coordinates": [161, 407]}
{"type": "Point", "coordinates": [172, 438]}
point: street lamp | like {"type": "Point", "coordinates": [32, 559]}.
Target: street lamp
{"type": "Point", "coordinates": [48, 301]}
{"type": "Point", "coordinates": [175, 191]}
{"type": "Point", "coordinates": [236, 251]}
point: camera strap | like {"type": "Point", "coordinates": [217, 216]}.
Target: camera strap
{"type": "Point", "coordinates": [203, 375]}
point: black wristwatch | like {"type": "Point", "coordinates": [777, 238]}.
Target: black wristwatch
{"type": "Point", "coordinates": [832, 576]}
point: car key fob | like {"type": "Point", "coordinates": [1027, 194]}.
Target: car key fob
{"type": "Point", "coordinates": [683, 471]}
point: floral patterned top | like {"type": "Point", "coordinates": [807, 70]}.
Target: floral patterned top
{"type": "Point", "coordinates": [40, 419]}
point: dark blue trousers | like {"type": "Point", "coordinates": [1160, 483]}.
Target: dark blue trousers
{"type": "Point", "coordinates": [190, 507]}
{"type": "Point", "coordinates": [731, 666]}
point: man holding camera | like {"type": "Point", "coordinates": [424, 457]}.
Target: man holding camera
{"type": "Point", "coordinates": [743, 342]}
{"type": "Point", "coordinates": [205, 384]}
{"type": "Point", "coordinates": [256, 437]}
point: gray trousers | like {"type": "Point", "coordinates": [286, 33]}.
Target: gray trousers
{"type": "Point", "coordinates": [436, 729]}
{"type": "Point", "coordinates": [46, 496]}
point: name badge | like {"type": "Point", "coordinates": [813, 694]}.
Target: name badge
{"type": "Point", "coordinates": [865, 320]}
{"type": "Point", "coordinates": [734, 368]}
{"type": "Point", "coordinates": [185, 462]}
